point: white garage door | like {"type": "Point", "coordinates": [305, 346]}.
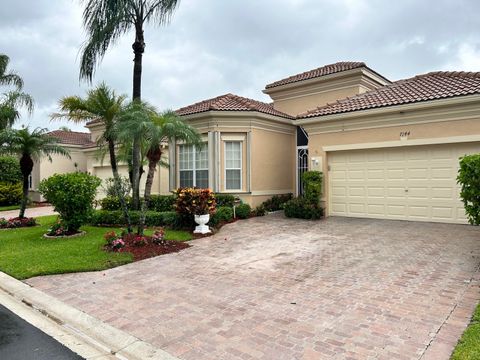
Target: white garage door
{"type": "Point", "coordinates": [410, 183]}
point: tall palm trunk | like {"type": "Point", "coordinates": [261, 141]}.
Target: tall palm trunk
{"type": "Point", "coordinates": [116, 179]}
{"type": "Point", "coordinates": [26, 166]}
{"type": "Point", "coordinates": [138, 49]}
{"type": "Point", "coordinates": [153, 159]}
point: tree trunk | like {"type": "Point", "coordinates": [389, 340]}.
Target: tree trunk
{"type": "Point", "coordinates": [152, 165]}
{"type": "Point", "coordinates": [138, 49]}
{"type": "Point", "coordinates": [116, 179]}
{"type": "Point", "coordinates": [26, 166]}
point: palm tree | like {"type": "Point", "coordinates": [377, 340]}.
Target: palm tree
{"type": "Point", "coordinates": [132, 127]}
{"type": "Point", "coordinates": [141, 121]}
{"type": "Point", "coordinates": [11, 101]}
{"type": "Point", "coordinates": [102, 105]}
{"type": "Point", "coordinates": [162, 129]}
{"type": "Point", "coordinates": [29, 146]}
{"type": "Point", "coordinates": [105, 21]}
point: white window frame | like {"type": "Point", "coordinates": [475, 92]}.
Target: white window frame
{"type": "Point", "coordinates": [225, 165]}
{"type": "Point", "coordinates": [194, 162]}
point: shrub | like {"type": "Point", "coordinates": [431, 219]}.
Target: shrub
{"type": "Point", "coordinates": [303, 209]}
{"type": "Point", "coordinates": [243, 211]}
{"type": "Point", "coordinates": [152, 218]}
{"type": "Point", "coordinates": [16, 223]}
{"type": "Point", "coordinates": [111, 191]}
{"type": "Point", "coordinates": [72, 196]}
{"type": "Point", "coordinates": [312, 182]}
{"type": "Point", "coordinates": [113, 203]}
{"type": "Point", "coordinates": [469, 179]}
{"type": "Point", "coordinates": [223, 214]}
{"type": "Point", "coordinates": [225, 200]}
{"type": "Point", "coordinates": [194, 201]}
{"type": "Point", "coordinates": [10, 193]}
{"type": "Point", "coordinates": [10, 170]}
{"type": "Point", "coordinates": [259, 210]}
{"type": "Point", "coordinates": [162, 203]}
{"type": "Point", "coordinates": [276, 202]}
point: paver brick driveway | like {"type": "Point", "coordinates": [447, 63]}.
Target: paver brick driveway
{"type": "Point", "coordinates": [275, 288]}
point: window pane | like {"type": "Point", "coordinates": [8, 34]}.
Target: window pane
{"type": "Point", "coordinates": [202, 179]}
{"type": "Point", "coordinates": [186, 178]}
{"type": "Point", "coordinates": [233, 155]}
{"type": "Point", "coordinates": [233, 179]}
{"type": "Point", "coordinates": [201, 158]}
{"type": "Point", "coordinates": [186, 157]}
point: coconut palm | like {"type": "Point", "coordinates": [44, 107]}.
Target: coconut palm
{"type": "Point", "coordinates": [101, 105]}
{"type": "Point", "coordinates": [105, 21]}
{"type": "Point", "coordinates": [29, 146]}
{"type": "Point", "coordinates": [13, 100]}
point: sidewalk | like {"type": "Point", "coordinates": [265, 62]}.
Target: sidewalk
{"type": "Point", "coordinates": [30, 212]}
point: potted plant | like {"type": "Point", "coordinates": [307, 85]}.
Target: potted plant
{"type": "Point", "coordinates": [199, 202]}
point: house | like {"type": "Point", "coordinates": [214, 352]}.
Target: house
{"type": "Point", "coordinates": [388, 150]}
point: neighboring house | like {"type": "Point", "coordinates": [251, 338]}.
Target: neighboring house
{"type": "Point", "coordinates": [388, 150]}
{"type": "Point", "coordinates": [85, 156]}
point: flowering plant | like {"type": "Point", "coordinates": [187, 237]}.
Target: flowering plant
{"type": "Point", "coordinates": [57, 229]}
{"type": "Point", "coordinates": [110, 237]}
{"type": "Point", "coordinates": [139, 240]}
{"type": "Point", "coordinates": [158, 237]}
{"type": "Point", "coordinates": [118, 244]}
{"type": "Point", "coordinates": [16, 223]}
{"type": "Point", "coordinates": [195, 201]}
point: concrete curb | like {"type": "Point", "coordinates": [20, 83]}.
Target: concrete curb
{"type": "Point", "coordinates": [95, 332]}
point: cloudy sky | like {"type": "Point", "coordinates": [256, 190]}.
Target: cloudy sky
{"type": "Point", "coordinates": [212, 47]}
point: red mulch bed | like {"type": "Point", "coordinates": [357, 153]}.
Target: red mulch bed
{"type": "Point", "coordinates": [149, 249]}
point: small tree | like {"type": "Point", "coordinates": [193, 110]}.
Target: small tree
{"type": "Point", "coordinates": [312, 182]}
{"type": "Point", "coordinates": [72, 195]}
{"type": "Point", "coordinates": [469, 179]}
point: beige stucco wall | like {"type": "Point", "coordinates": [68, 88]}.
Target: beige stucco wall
{"type": "Point", "coordinates": [59, 165]}
{"type": "Point", "coordinates": [272, 161]}
{"type": "Point", "coordinates": [102, 169]}
{"type": "Point", "coordinates": [438, 122]}
{"type": "Point", "coordinates": [298, 105]}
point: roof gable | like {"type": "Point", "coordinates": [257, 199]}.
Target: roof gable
{"type": "Point", "coordinates": [431, 86]}
{"type": "Point", "coordinates": [71, 137]}
{"type": "Point", "coordinates": [321, 71]}
{"type": "Point", "coordinates": [230, 102]}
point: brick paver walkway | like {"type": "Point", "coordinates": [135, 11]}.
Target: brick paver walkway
{"type": "Point", "coordinates": [275, 288]}
{"type": "Point", "coordinates": [30, 212]}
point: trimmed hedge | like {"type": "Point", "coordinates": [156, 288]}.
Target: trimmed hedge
{"type": "Point", "coordinates": [243, 211]}
{"type": "Point", "coordinates": [152, 218]}
{"type": "Point", "coordinates": [276, 202]}
{"type": "Point", "coordinates": [10, 170]}
{"type": "Point", "coordinates": [10, 194]}
{"type": "Point", "coordinates": [223, 200]}
{"type": "Point", "coordinates": [301, 208]}
{"type": "Point", "coordinates": [223, 214]}
{"type": "Point", "coordinates": [469, 179]}
{"type": "Point", "coordinates": [158, 203]}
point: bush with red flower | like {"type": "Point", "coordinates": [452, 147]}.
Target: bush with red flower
{"type": "Point", "coordinates": [17, 222]}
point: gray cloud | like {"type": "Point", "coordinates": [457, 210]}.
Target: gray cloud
{"type": "Point", "coordinates": [212, 47]}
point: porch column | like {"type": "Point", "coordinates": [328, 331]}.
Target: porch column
{"type": "Point", "coordinates": [172, 160]}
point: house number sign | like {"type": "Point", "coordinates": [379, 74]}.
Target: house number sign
{"type": "Point", "coordinates": [404, 133]}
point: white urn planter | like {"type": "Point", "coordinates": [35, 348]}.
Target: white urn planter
{"type": "Point", "coordinates": [202, 221]}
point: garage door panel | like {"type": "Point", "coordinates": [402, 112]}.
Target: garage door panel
{"type": "Point", "coordinates": [410, 183]}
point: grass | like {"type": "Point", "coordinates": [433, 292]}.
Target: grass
{"type": "Point", "coordinates": [9, 207]}
{"type": "Point", "coordinates": [25, 253]}
{"type": "Point", "coordinates": [468, 347]}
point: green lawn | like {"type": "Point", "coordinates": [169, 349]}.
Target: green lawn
{"type": "Point", "coordinates": [468, 348]}
{"type": "Point", "coordinates": [10, 207]}
{"type": "Point", "coordinates": [25, 253]}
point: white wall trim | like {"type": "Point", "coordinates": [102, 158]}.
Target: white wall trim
{"type": "Point", "coordinates": [271, 192]}
{"type": "Point", "coordinates": [240, 137]}
{"type": "Point", "coordinates": [399, 143]}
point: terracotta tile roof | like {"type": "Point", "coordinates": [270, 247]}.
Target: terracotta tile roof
{"type": "Point", "coordinates": [431, 86]}
{"type": "Point", "coordinates": [72, 137]}
{"type": "Point", "coordinates": [321, 71]}
{"type": "Point", "coordinates": [230, 102]}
